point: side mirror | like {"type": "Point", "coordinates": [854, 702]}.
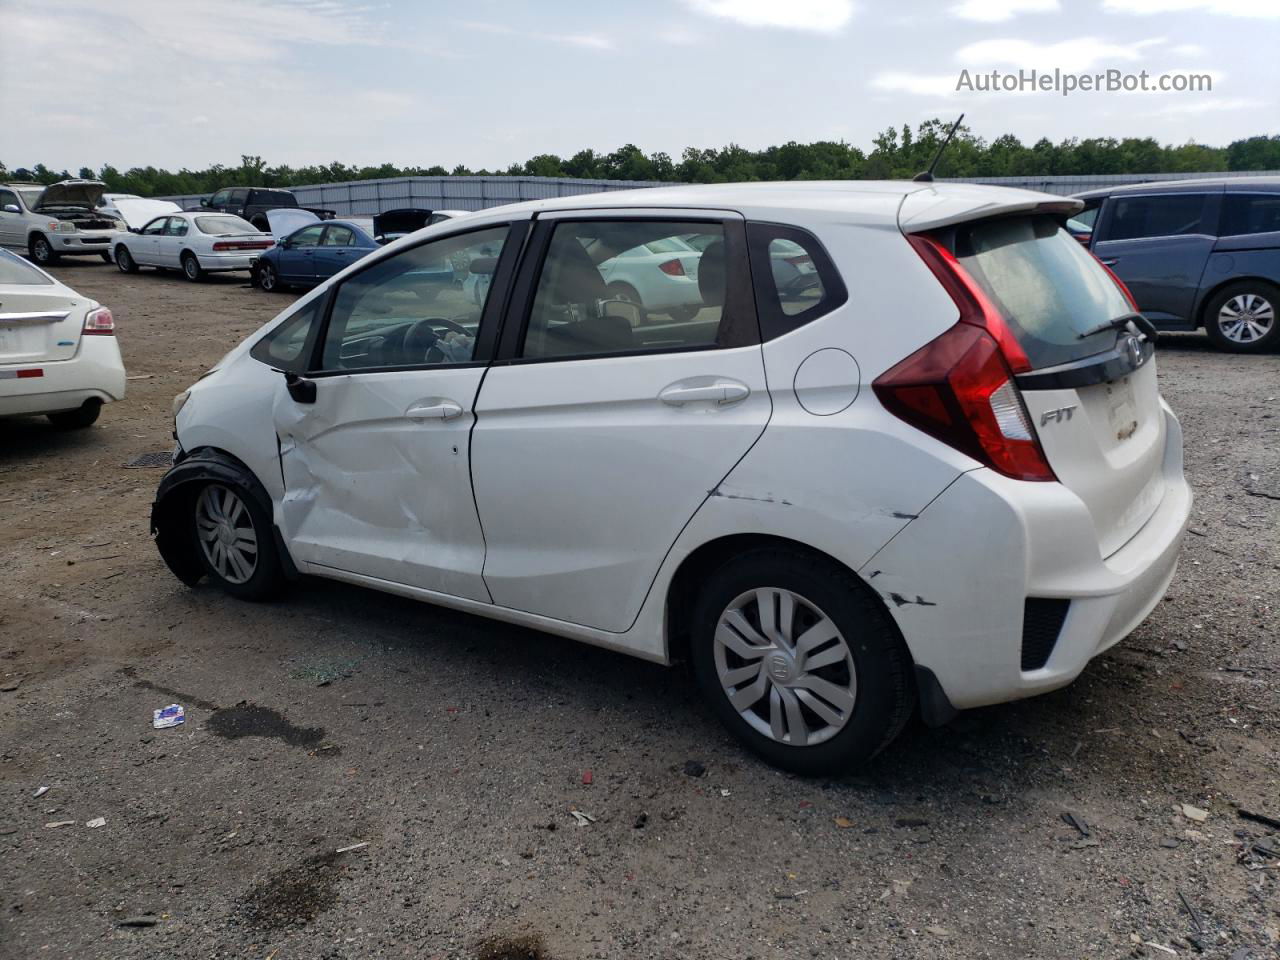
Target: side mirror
{"type": "Point", "coordinates": [302, 390]}
{"type": "Point", "coordinates": [483, 265]}
{"type": "Point", "coordinates": [633, 313]}
{"type": "Point", "coordinates": [11, 208]}
{"type": "Point", "coordinates": [204, 201]}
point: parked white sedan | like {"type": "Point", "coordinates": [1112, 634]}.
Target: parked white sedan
{"type": "Point", "coordinates": [194, 242]}
{"type": "Point", "coordinates": [58, 351]}
{"type": "Point", "coordinates": [942, 478]}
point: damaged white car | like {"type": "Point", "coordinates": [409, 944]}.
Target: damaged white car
{"type": "Point", "coordinates": [60, 220]}
{"type": "Point", "coordinates": [938, 474]}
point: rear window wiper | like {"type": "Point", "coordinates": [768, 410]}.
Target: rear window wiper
{"type": "Point", "coordinates": [1138, 320]}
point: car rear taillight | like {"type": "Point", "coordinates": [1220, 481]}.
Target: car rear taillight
{"type": "Point", "coordinates": [1128, 295]}
{"type": "Point", "coordinates": [672, 268]}
{"type": "Point", "coordinates": [959, 387]}
{"type": "Point", "coordinates": [99, 322]}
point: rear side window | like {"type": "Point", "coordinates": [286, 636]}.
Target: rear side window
{"type": "Point", "coordinates": [634, 286]}
{"type": "Point", "coordinates": [1176, 214]}
{"type": "Point", "coordinates": [286, 347]}
{"type": "Point", "coordinates": [1049, 289]}
{"type": "Point", "coordinates": [795, 281]}
{"type": "Point", "coordinates": [1246, 213]}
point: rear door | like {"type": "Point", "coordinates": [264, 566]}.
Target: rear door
{"type": "Point", "coordinates": [1159, 244]}
{"type": "Point", "coordinates": [297, 255]}
{"type": "Point", "coordinates": [1091, 392]}
{"type": "Point", "coordinates": [40, 320]}
{"type": "Point", "coordinates": [602, 428]}
{"type": "Point", "coordinates": [337, 251]}
{"type": "Point", "coordinates": [169, 245]}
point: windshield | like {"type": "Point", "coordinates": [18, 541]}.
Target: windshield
{"type": "Point", "coordinates": [15, 270]}
{"type": "Point", "coordinates": [1049, 289]}
{"type": "Point", "coordinates": [30, 194]}
{"type": "Point", "coordinates": [224, 224]}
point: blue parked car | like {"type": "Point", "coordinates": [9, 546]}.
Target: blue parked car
{"type": "Point", "coordinates": [1194, 253]}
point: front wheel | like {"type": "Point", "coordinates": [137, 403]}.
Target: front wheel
{"type": "Point", "coordinates": [42, 251]}
{"type": "Point", "coordinates": [233, 536]}
{"type": "Point", "coordinates": [269, 278]}
{"type": "Point", "coordinates": [800, 662]}
{"type": "Point", "coordinates": [124, 260]}
{"type": "Point", "coordinates": [1242, 317]}
{"type": "Point", "coordinates": [191, 268]}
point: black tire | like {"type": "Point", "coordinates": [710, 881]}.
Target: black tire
{"type": "Point", "coordinates": [267, 574]}
{"type": "Point", "coordinates": [85, 415]}
{"type": "Point", "coordinates": [682, 314]}
{"type": "Point", "coordinates": [41, 250]}
{"type": "Point", "coordinates": [106, 257]}
{"type": "Point", "coordinates": [884, 694]}
{"type": "Point", "coordinates": [124, 260]}
{"type": "Point", "coordinates": [191, 268]}
{"type": "Point", "coordinates": [1262, 301]}
{"type": "Point", "coordinates": [269, 278]}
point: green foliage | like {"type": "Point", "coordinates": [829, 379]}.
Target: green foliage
{"type": "Point", "coordinates": [896, 154]}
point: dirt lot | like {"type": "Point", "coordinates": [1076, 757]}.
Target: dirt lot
{"type": "Point", "coordinates": [455, 748]}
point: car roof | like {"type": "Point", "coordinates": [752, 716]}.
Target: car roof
{"type": "Point", "coordinates": [1194, 185]}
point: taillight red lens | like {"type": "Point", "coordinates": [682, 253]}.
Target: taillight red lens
{"type": "Point", "coordinates": [959, 389]}
{"type": "Point", "coordinates": [975, 306]}
{"type": "Point", "coordinates": [672, 268]}
{"type": "Point", "coordinates": [99, 322]}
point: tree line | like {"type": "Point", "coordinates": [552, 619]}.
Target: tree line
{"type": "Point", "coordinates": [896, 153]}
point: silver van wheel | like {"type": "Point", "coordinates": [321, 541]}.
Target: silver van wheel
{"type": "Point", "coordinates": [785, 667]}
{"type": "Point", "coordinates": [225, 530]}
{"type": "Point", "coordinates": [1246, 318]}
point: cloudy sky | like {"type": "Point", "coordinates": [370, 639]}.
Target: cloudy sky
{"type": "Point", "coordinates": [491, 82]}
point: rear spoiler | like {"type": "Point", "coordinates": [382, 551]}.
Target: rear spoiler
{"type": "Point", "coordinates": [931, 209]}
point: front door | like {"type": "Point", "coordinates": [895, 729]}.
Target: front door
{"type": "Point", "coordinates": [297, 255]}
{"type": "Point", "coordinates": [374, 441]}
{"type": "Point", "coordinates": [146, 248]}
{"type": "Point", "coordinates": [1159, 245]}
{"type": "Point", "coordinates": [604, 424]}
{"type": "Point", "coordinates": [12, 227]}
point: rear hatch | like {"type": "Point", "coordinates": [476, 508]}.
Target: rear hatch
{"type": "Point", "coordinates": [1082, 359]}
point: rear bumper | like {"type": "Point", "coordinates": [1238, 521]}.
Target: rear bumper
{"type": "Point", "coordinates": [215, 262]}
{"type": "Point", "coordinates": [956, 579]}
{"type": "Point", "coordinates": [96, 372]}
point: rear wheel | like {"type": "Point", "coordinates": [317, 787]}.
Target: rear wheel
{"type": "Point", "coordinates": [682, 314]}
{"type": "Point", "coordinates": [1244, 317]}
{"type": "Point", "coordinates": [125, 261]}
{"type": "Point", "coordinates": [191, 268]}
{"type": "Point", "coordinates": [86, 415]}
{"type": "Point", "coordinates": [624, 291]}
{"type": "Point", "coordinates": [233, 536]}
{"type": "Point", "coordinates": [42, 251]}
{"type": "Point", "coordinates": [799, 661]}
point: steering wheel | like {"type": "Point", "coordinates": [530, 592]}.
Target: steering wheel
{"type": "Point", "coordinates": [421, 338]}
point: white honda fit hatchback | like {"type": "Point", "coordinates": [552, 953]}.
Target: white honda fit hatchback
{"type": "Point", "coordinates": [939, 474]}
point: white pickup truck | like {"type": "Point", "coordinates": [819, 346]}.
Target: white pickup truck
{"type": "Point", "coordinates": [56, 221]}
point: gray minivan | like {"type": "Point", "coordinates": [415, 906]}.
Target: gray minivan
{"type": "Point", "coordinates": [1194, 253]}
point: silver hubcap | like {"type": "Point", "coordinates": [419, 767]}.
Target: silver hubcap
{"type": "Point", "coordinates": [1246, 318]}
{"type": "Point", "coordinates": [785, 667]}
{"type": "Point", "coordinates": [192, 268]}
{"type": "Point", "coordinates": [268, 278]}
{"type": "Point", "coordinates": [226, 533]}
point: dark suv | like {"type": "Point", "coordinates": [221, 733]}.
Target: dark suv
{"type": "Point", "coordinates": [252, 203]}
{"type": "Point", "coordinates": [1195, 253]}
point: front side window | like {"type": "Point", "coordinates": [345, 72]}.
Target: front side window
{"type": "Point", "coordinates": [410, 309]}
{"type": "Point", "coordinates": [219, 199]}
{"type": "Point", "coordinates": [339, 237]}
{"type": "Point", "coordinates": [307, 236]}
{"type": "Point", "coordinates": [8, 197]}
{"type": "Point", "coordinates": [1172, 215]}
{"type": "Point", "coordinates": [285, 347]}
{"type": "Point", "coordinates": [155, 227]}
{"type": "Point", "coordinates": [613, 286]}
{"type": "Point", "coordinates": [1249, 213]}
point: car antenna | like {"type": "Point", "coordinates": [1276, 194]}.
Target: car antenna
{"type": "Point", "coordinates": [927, 175]}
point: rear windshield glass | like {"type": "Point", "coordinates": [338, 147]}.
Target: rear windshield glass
{"type": "Point", "coordinates": [220, 226]}
{"type": "Point", "coordinates": [18, 271]}
{"type": "Point", "coordinates": [1048, 287]}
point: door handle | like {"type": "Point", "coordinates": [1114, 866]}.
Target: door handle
{"type": "Point", "coordinates": [1110, 263]}
{"type": "Point", "coordinates": [434, 410]}
{"type": "Point", "coordinates": [721, 391]}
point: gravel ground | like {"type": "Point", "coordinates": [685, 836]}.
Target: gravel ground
{"type": "Point", "coordinates": [454, 749]}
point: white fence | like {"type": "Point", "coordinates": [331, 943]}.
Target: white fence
{"type": "Point", "coordinates": [366, 197]}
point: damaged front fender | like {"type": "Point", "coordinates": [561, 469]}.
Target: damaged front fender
{"type": "Point", "coordinates": [172, 516]}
